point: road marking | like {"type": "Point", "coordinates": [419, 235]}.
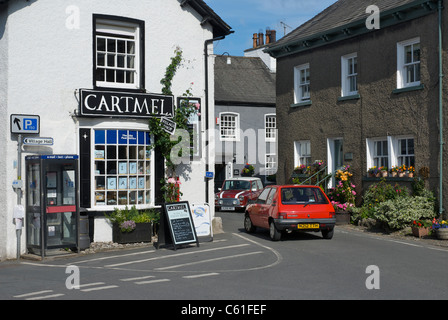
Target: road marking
{"type": "Point", "coordinates": [209, 260]}
{"type": "Point", "coordinates": [137, 278]}
{"type": "Point", "coordinates": [174, 255]}
{"type": "Point", "coordinates": [117, 256]}
{"type": "Point", "coordinates": [46, 297]}
{"type": "Point", "coordinates": [201, 275]}
{"type": "Point", "coordinates": [32, 293]}
{"type": "Point", "coordinates": [152, 281]}
{"type": "Point", "coordinates": [96, 288]}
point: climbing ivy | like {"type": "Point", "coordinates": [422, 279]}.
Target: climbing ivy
{"type": "Point", "coordinates": [163, 141]}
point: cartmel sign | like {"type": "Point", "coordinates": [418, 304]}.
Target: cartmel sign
{"type": "Point", "coordinates": [96, 103]}
{"type": "Point", "coordinates": [180, 224]}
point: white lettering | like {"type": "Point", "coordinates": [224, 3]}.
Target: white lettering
{"type": "Point", "coordinates": [140, 108]}
{"type": "Point", "coordinates": [373, 281]}
{"type": "Point", "coordinates": [115, 104]}
{"type": "Point", "coordinates": [86, 104]}
{"type": "Point", "coordinates": [73, 20]}
{"type": "Point", "coordinates": [373, 21]}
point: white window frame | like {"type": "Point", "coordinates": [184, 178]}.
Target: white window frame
{"type": "Point", "coordinates": [302, 153]}
{"type": "Point", "coordinates": [270, 166]}
{"type": "Point", "coordinates": [394, 152]}
{"type": "Point", "coordinates": [302, 86]}
{"type": "Point", "coordinates": [223, 125]}
{"type": "Point", "coordinates": [147, 174]}
{"type": "Point", "coordinates": [270, 124]}
{"type": "Point", "coordinates": [123, 31]}
{"type": "Point", "coordinates": [348, 72]}
{"type": "Point", "coordinates": [401, 157]}
{"type": "Point", "coordinates": [402, 65]}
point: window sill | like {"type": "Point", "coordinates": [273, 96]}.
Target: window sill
{"type": "Point", "coordinates": [407, 89]}
{"type": "Point", "coordinates": [301, 104]}
{"type": "Point", "coordinates": [350, 97]}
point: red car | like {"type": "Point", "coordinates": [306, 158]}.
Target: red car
{"type": "Point", "coordinates": [291, 208]}
{"type": "Point", "coordinates": [236, 192]}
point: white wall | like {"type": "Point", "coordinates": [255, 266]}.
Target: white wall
{"type": "Point", "coordinates": [47, 61]}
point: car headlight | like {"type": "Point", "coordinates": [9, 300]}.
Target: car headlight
{"type": "Point", "coordinates": [220, 201]}
{"type": "Point", "coordinates": [241, 198]}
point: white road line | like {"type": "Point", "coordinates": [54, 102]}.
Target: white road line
{"type": "Point", "coordinates": [201, 275]}
{"type": "Point", "coordinates": [174, 255]}
{"type": "Point", "coordinates": [152, 281]}
{"type": "Point", "coordinates": [99, 288]}
{"type": "Point", "coordinates": [208, 260]}
{"type": "Point", "coordinates": [32, 293]}
{"type": "Point", "coordinates": [91, 284]}
{"type": "Point", "coordinates": [137, 278]}
{"type": "Point", "coordinates": [46, 297]}
{"type": "Point", "coordinates": [116, 256]}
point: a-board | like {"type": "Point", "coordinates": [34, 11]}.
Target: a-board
{"type": "Point", "coordinates": [180, 223]}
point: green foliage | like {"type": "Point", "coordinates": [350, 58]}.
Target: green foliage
{"type": "Point", "coordinates": [119, 216]}
{"type": "Point", "coordinates": [401, 212]}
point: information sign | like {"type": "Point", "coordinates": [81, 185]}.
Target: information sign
{"type": "Point", "coordinates": [180, 223]}
{"type": "Point", "coordinates": [21, 123]}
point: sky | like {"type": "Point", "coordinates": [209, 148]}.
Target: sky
{"type": "Point", "coordinates": [247, 17]}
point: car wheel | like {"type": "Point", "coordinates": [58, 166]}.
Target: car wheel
{"type": "Point", "coordinates": [327, 234]}
{"type": "Point", "coordinates": [248, 226]}
{"type": "Point", "coordinates": [274, 234]}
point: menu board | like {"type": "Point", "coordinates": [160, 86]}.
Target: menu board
{"type": "Point", "coordinates": [180, 223]}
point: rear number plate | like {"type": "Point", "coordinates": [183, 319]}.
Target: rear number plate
{"type": "Point", "coordinates": [308, 226]}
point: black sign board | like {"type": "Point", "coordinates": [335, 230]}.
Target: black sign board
{"type": "Point", "coordinates": [180, 222]}
{"type": "Point", "coordinates": [168, 125]}
{"type": "Point", "coordinates": [97, 103]}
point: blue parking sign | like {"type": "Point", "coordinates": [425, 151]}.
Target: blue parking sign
{"type": "Point", "coordinates": [23, 123]}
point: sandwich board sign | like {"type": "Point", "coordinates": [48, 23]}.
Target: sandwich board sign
{"type": "Point", "coordinates": [180, 223]}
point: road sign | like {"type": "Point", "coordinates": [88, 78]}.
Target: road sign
{"type": "Point", "coordinates": [22, 123]}
{"type": "Point", "coordinates": [168, 125]}
{"type": "Point", "coordinates": [39, 141]}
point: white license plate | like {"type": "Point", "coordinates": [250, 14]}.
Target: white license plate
{"type": "Point", "coordinates": [228, 208]}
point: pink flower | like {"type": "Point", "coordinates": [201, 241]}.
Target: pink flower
{"type": "Point", "coordinates": [171, 180]}
{"type": "Point", "coordinates": [197, 105]}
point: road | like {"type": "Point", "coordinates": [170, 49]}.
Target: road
{"type": "Point", "coordinates": [237, 266]}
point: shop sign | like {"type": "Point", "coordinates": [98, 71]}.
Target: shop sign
{"type": "Point", "coordinates": [97, 103]}
{"type": "Point", "coordinates": [168, 125]}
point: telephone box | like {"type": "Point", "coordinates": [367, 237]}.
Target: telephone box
{"type": "Point", "coordinates": [52, 210]}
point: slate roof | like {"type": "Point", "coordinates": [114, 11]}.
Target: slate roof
{"type": "Point", "coordinates": [247, 80]}
{"type": "Point", "coordinates": [349, 16]}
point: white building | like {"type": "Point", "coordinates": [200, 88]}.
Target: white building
{"type": "Point", "coordinates": [86, 69]}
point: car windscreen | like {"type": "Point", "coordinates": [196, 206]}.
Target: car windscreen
{"type": "Point", "coordinates": [236, 185]}
{"type": "Point", "coordinates": [303, 195]}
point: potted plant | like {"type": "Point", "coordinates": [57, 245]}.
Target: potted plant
{"type": "Point", "coordinates": [373, 171]}
{"type": "Point", "coordinates": [131, 225]}
{"type": "Point", "coordinates": [248, 170]}
{"type": "Point", "coordinates": [401, 171]}
{"type": "Point", "coordinates": [440, 227]}
{"type": "Point", "coordinates": [394, 171]}
{"type": "Point", "coordinates": [421, 228]}
{"type": "Point", "coordinates": [383, 171]}
{"type": "Point", "coordinates": [411, 171]}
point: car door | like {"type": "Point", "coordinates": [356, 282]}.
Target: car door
{"type": "Point", "coordinates": [269, 208]}
{"type": "Point", "coordinates": [258, 209]}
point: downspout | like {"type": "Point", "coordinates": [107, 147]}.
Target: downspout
{"type": "Point", "coordinates": [440, 111]}
{"type": "Point", "coordinates": [207, 142]}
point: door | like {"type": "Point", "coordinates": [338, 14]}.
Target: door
{"type": "Point", "coordinates": [335, 156]}
{"type": "Point", "coordinates": [258, 211]}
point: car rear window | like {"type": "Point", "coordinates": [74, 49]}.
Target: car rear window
{"type": "Point", "coordinates": [236, 185]}
{"type": "Point", "coordinates": [296, 195]}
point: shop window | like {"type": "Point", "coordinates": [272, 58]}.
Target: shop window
{"type": "Point", "coordinates": [122, 168]}
{"type": "Point", "coordinates": [118, 53]}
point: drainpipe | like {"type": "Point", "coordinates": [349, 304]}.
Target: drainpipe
{"type": "Point", "coordinates": [440, 111]}
{"type": "Point", "coordinates": [207, 142]}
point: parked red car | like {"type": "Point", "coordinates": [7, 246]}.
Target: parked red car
{"type": "Point", "coordinates": [291, 208]}
{"type": "Point", "coordinates": [236, 192]}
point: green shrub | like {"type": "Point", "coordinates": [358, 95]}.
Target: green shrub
{"type": "Point", "coordinates": [121, 215]}
{"type": "Point", "coordinates": [401, 212]}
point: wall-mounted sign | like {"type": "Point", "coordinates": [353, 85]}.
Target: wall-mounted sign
{"type": "Point", "coordinates": [22, 123]}
{"type": "Point", "coordinates": [97, 103]}
{"type": "Point", "coordinates": [39, 141]}
{"type": "Point", "coordinates": [168, 125]}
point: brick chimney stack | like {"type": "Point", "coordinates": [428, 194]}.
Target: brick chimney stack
{"type": "Point", "coordinates": [258, 38]}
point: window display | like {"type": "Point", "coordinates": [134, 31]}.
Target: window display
{"type": "Point", "coordinates": [122, 167]}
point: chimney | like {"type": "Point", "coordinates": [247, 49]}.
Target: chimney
{"type": "Point", "coordinates": [273, 36]}
{"type": "Point", "coordinates": [268, 36]}
{"type": "Point", "coordinates": [255, 38]}
{"type": "Point", "coordinates": [260, 39]}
